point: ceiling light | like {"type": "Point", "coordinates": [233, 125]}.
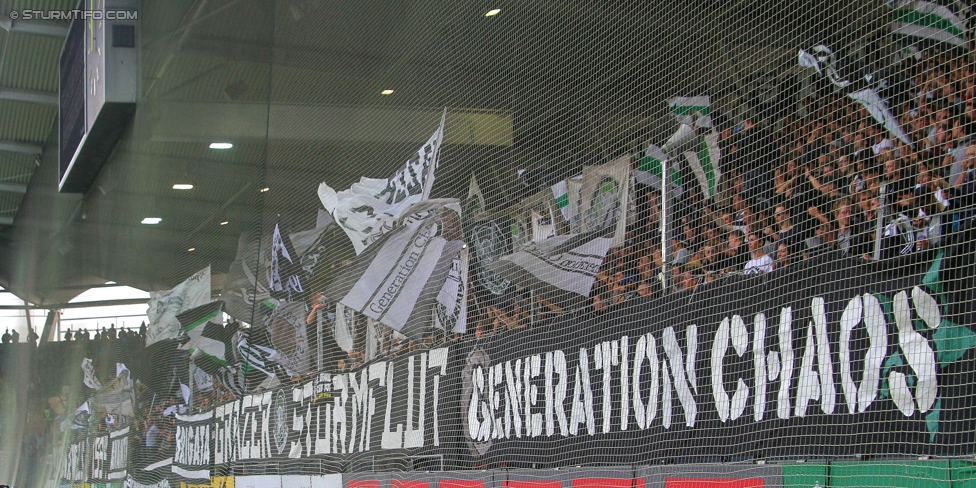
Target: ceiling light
{"type": "Point", "coordinates": [265, 189]}
{"type": "Point", "coordinates": [386, 92]}
{"type": "Point", "coordinates": [191, 249]}
{"type": "Point", "coordinates": [493, 12]}
{"type": "Point", "coordinates": [224, 223]}
{"type": "Point", "coordinates": [221, 145]}
{"type": "Point", "coordinates": [183, 186]}
{"type": "Point", "coordinates": [109, 282]}
{"type": "Point", "coordinates": [152, 220]}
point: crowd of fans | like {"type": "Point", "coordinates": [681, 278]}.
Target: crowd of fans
{"type": "Point", "coordinates": [823, 180]}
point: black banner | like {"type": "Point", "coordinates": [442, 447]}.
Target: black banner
{"type": "Point", "coordinates": [399, 407]}
{"type": "Point", "coordinates": [853, 360]}
{"type": "Point", "coordinates": [826, 358]}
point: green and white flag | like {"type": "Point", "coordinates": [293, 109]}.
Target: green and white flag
{"type": "Point", "coordinates": [705, 164]}
{"type": "Point", "coordinates": [692, 110]}
{"type": "Point", "coordinates": [563, 192]}
{"type": "Point", "coordinates": [649, 170]}
{"type": "Point", "coordinates": [604, 195]}
{"type": "Point", "coordinates": [928, 20]}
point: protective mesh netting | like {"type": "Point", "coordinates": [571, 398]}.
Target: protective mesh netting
{"type": "Point", "coordinates": [481, 273]}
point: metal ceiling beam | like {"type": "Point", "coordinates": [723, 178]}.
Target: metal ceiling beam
{"type": "Point", "coordinates": [13, 187]}
{"type": "Point", "coordinates": [35, 28]}
{"type": "Point", "coordinates": [21, 147]}
{"type": "Point", "coordinates": [64, 306]}
{"type": "Point", "coordinates": [30, 96]}
{"type": "Point", "coordinates": [205, 122]}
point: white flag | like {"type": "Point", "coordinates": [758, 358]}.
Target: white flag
{"type": "Point", "coordinates": [822, 59]}
{"type": "Point", "coordinates": [560, 268]}
{"type": "Point", "coordinates": [705, 164]}
{"type": "Point", "coordinates": [474, 205]}
{"type": "Point", "coordinates": [396, 280]}
{"type": "Point", "coordinates": [90, 380]}
{"type": "Point", "coordinates": [371, 207]}
{"type": "Point", "coordinates": [543, 226]}
{"type": "Point", "coordinates": [164, 306]}
{"type": "Point", "coordinates": [879, 110]}
{"type": "Point", "coordinates": [343, 327]}
{"type": "Point", "coordinates": [603, 198]}
{"type": "Point", "coordinates": [451, 311]}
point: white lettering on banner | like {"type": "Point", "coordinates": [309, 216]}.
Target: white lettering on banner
{"type": "Point", "coordinates": [341, 424]}
{"type": "Point", "coordinates": [119, 459]}
{"type": "Point", "coordinates": [192, 445]}
{"type": "Point", "coordinates": [226, 432]}
{"type": "Point", "coordinates": [74, 462]}
{"type": "Point", "coordinates": [633, 379]}
{"type": "Point", "coordinates": [99, 456]}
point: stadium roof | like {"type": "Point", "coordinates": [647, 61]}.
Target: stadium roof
{"type": "Point", "coordinates": [295, 86]}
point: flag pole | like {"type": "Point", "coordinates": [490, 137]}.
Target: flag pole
{"type": "Point", "coordinates": [665, 228]}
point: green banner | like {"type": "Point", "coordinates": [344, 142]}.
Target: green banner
{"type": "Point", "coordinates": [895, 474]}
{"type": "Point", "coordinates": [804, 475]}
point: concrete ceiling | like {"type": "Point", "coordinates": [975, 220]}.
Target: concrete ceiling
{"type": "Point", "coordinates": [295, 84]}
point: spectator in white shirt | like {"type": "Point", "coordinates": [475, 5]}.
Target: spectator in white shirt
{"type": "Point", "coordinates": [760, 262]}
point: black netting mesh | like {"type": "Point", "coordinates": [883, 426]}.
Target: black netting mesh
{"type": "Point", "coordinates": [523, 244]}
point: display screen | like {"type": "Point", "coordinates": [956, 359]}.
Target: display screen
{"type": "Point", "coordinates": [72, 95]}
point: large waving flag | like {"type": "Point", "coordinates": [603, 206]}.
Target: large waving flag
{"type": "Point", "coordinates": [928, 20]}
{"type": "Point", "coordinates": [396, 280]}
{"type": "Point", "coordinates": [649, 170]}
{"type": "Point", "coordinates": [195, 322]}
{"type": "Point", "coordinates": [164, 306]}
{"type": "Point", "coordinates": [603, 198]}
{"type": "Point", "coordinates": [560, 268]}
{"type": "Point", "coordinates": [371, 207]}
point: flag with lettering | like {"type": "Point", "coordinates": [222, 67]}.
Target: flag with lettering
{"type": "Point", "coordinates": [396, 280]}
{"type": "Point", "coordinates": [285, 272]}
{"type": "Point", "coordinates": [451, 310]}
{"type": "Point", "coordinates": [560, 268]}
{"type": "Point", "coordinates": [371, 207]}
